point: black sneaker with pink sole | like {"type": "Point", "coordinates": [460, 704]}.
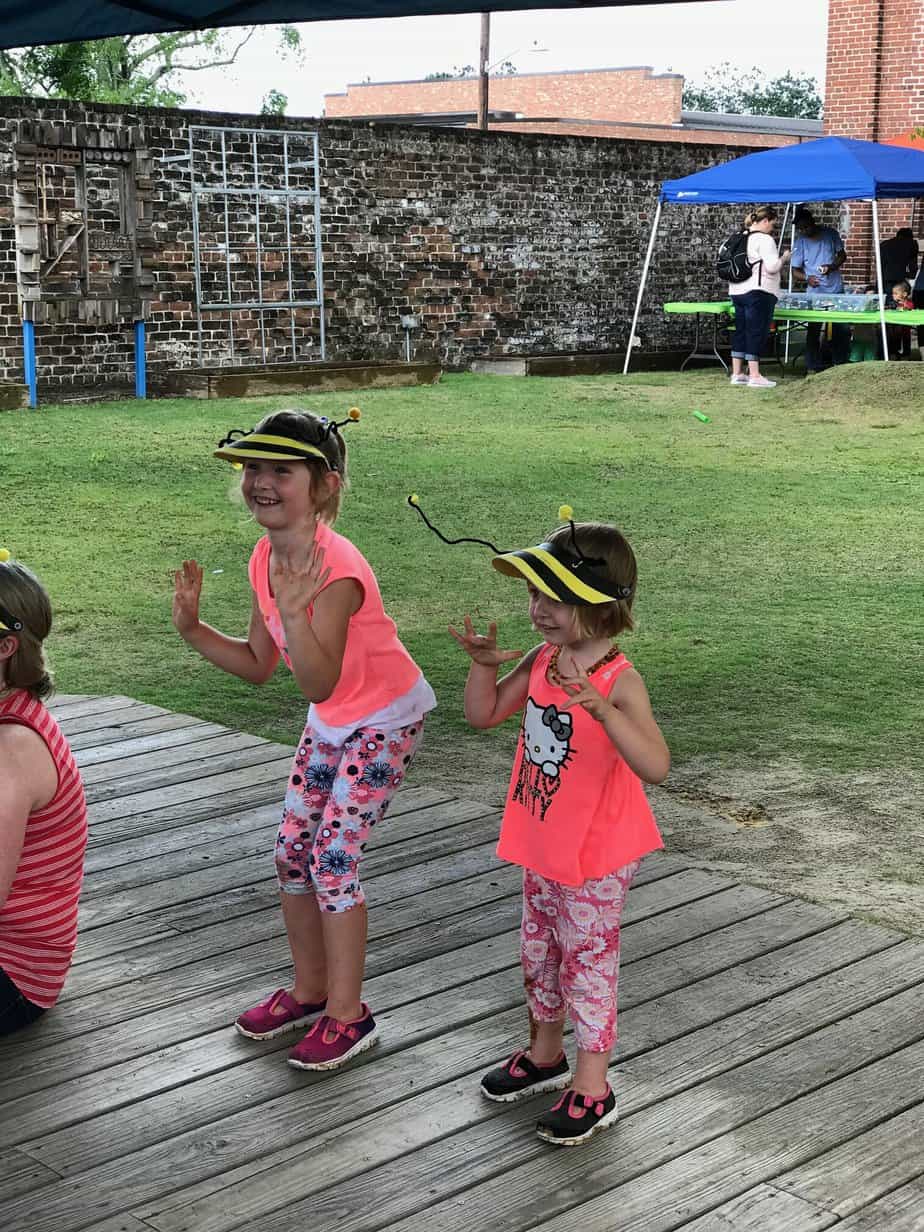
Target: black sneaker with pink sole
{"type": "Point", "coordinates": [575, 1118]}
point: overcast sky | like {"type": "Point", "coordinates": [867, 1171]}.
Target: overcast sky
{"type": "Point", "coordinates": [788, 35]}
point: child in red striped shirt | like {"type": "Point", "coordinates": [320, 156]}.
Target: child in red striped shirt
{"type": "Point", "coordinates": [43, 814]}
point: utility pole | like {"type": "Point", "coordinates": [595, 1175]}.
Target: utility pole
{"type": "Point", "coordinates": [483, 71]}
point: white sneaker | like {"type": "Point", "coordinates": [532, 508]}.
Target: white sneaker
{"type": "Point", "coordinates": [739, 380]}
{"type": "Point", "coordinates": [760, 382]}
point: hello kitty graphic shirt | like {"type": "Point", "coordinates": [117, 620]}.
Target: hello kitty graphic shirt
{"type": "Point", "coordinates": [575, 810]}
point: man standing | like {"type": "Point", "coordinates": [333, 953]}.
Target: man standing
{"type": "Point", "coordinates": [817, 257]}
{"type": "Point", "coordinates": [899, 257]}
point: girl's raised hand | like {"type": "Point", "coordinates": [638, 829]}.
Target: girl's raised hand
{"type": "Point", "coordinates": [582, 693]}
{"type": "Point", "coordinates": [298, 579]}
{"type": "Point", "coordinates": [482, 648]}
{"type": "Point", "coordinates": [187, 587]}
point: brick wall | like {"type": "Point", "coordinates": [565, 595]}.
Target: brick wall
{"type": "Point", "coordinates": [502, 244]}
{"type": "Point", "coordinates": [632, 95]}
{"type": "Point", "coordinates": [875, 90]}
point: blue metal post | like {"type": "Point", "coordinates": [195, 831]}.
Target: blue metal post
{"type": "Point", "coordinates": [141, 372]}
{"type": "Point", "coordinates": [28, 357]}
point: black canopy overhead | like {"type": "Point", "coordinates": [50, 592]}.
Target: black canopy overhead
{"type": "Point", "coordinates": [61, 21]}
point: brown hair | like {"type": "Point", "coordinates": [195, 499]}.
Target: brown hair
{"type": "Point", "coordinates": [596, 539]}
{"type": "Point", "coordinates": [23, 595]}
{"type": "Point", "coordinates": [312, 430]}
{"type": "Point", "coordinates": [759, 214]}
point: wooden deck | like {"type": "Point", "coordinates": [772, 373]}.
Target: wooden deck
{"type": "Point", "coordinates": [770, 1072]}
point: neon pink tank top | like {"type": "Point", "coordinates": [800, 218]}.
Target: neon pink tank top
{"type": "Point", "coordinates": [575, 811]}
{"type": "Point", "coordinates": [38, 921]}
{"type": "Point", "coordinates": [376, 667]}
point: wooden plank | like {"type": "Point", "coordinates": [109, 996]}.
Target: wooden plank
{"type": "Point", "coordinates": [195, 1104]}
{"type": "Point", "coordinates": [221, 785]}
{"type": "Point", "coordinates": [899, 1211]}
{"type": "Point", "coordinates": [116, 716]}
{"type": "Point", "coordinates": [76, 707]}
{"type": "Point", "coordinates": [288, 1177]}
{"type": "Point", "coordinates": [131, 768]}
{"type": "Point", "coordinates": [245, 870]}
{"type": "Point", "coordinates": [116, 733]}
{"type": "Point", "coordinates": [176, 736]}
{"type": "Point", "coordinates": [60, 700]}
{"type": "Point", "coordinates": [863, 1169]}
{"type": "Point", "coordinates": [689, 886]}
{"type": "Point", "coordinates": [158, 820]}
{"type": "Point", "coordinates": [250, 753]}
{"type": "Point", "coordinates": [773, 1113]}
{"type": "Point", "coordinates": [761, 1209]}
{"type": "Point", "coordinates": [221, 831]}
{"type": "Point", "coordinates": [19, 1174]}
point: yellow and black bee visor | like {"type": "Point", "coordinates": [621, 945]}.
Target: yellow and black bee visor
{"type": "Point", "coordinates": [240, 446]}
{"type": "Point", "coordinates": [8, 622]}
{"type": "Point", "coordinates": [561, 572]}
{"type": "Point", "coordinates": [561, 575]}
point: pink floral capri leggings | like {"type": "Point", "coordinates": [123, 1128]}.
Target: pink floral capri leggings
{"type": "Point", "coordinates": [569, 948]}
{"type": "Point", "coordinates": [336, 794]}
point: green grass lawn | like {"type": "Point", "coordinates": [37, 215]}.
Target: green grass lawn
{"type": "Point", "coordinates": [779, 546]}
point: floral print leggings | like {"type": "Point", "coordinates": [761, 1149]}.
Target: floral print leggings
{"type": "Point", "coordinates": [569, 948]}
{"type": "Point", "coordinates": [336, 794]}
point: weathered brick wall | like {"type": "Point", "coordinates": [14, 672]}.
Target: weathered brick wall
{"type": "Point", "coordinates": [502, 244]}
{"type": "Point", "coordinates": [633, 95]}
{"type": "Point", "coordinates": [875, 90]}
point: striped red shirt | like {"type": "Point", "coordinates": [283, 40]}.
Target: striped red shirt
{"type": "Point", "coordinates": [38, 921]}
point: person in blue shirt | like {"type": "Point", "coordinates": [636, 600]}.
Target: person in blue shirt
{"type": "Point", "coordinates": [817, 256]}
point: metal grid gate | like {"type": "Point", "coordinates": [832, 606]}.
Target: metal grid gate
{"type": "Point", "coordinates": [256, 230]}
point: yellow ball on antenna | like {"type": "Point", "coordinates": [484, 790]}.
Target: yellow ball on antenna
{"type": "Point", "coordinates": [414, 498]}
{"type": "Point", "coordinates": [5, 555]}
{"type": "Point", "coordinates": [565, 513]}
{"type": "Point", "coordinates": [354, 413]}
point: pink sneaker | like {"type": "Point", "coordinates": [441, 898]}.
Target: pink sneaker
{"type": "Point", "coordinates": [276, 1015]}
{"type": "Point", "coordinates": [330, 1044]}
{"type": "Point", "coordinates": [761, 382]}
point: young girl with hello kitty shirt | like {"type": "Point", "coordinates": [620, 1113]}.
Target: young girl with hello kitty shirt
{"type": "Point", "coordinates": [576, 816]}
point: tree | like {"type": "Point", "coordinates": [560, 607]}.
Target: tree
{"type": "Point", "coordinates": [274, 103]}
{"type": "Point", "coordinates": [506, 69]}
{"type": "Point", "coordinates": [749, 92]}
{"type": "Point", "coordinates": [127, 69]}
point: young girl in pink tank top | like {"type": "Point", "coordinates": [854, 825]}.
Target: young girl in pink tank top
{"type": "Point", "coordinates": [316, 603]}
{"type": "Point", "coordinates": [576, 816]}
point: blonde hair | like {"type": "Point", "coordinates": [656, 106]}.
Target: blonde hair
{"type": "Point", "coordinates": [606, 543]}
{"type": "Point", "coordinates": [759, 214]}
{"type": "Point", "coordinates": [25, 597]}
{"type": "Point", "coordinates": [311, 429]}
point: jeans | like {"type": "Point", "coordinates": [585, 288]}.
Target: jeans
{"type": "Point", "coordinates": [840, 345]}
{"type": "Point", "coordinates": [753, 314]}
{"type": "Point", "coordinates": [15, 1010]}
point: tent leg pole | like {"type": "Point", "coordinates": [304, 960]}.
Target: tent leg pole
{"type": "Point", "coordinates": [792, 244]}
{"type": "Point", "coordinates": [882, 320]}
{"type": "Point", "coordinates": [641, 289]}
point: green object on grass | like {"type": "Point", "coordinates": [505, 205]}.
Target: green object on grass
{"type": "Point", "coordinates": [701, 417]}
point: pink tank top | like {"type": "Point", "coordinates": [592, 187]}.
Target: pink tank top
{"type": "Point", "coordinates": [376, 667]}
{"type": "Point", "coordinates": [38, 921]}
{"type": "Point", "coordinates": [575, 811]}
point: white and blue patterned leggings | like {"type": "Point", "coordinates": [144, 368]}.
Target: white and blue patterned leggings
{"type": "Point", "coordinates": [335, 795]}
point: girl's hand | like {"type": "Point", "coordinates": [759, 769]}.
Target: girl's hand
{"type": "Point", "coordinates": [582, 693]}
{"type": "Point", "coordinates": [298, 579]}
{"type": "Point", "coordinates": [187, 587]}
{"type": "Point", "coordinates": [483, 649]}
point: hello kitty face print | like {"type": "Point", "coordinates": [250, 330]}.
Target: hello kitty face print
{"type": "Point", "coordinates": [546, 749]}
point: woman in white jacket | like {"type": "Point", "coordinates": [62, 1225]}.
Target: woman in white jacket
{"type": "Point", "coordinates": [755, 300]}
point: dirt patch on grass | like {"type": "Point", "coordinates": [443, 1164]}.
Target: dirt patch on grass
{"type": "Point", "coordinates": [854, 842]}
{"type": "Point", "coordinates": [894, 392]}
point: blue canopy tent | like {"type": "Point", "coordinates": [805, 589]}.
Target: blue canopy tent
{"type": "Point", "coordinates": [62, 21]}
{"type": "Point", "coordinates": [830, 169]}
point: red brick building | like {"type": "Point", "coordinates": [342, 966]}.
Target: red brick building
{"type": "Point", "coordinates": [875, 90]}
{"type": "Point", "coordinates": [634, 103]}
